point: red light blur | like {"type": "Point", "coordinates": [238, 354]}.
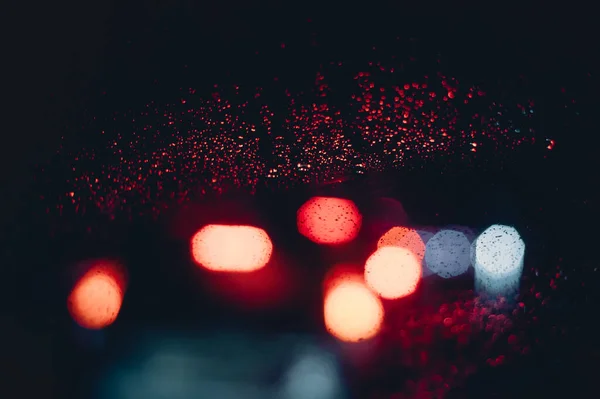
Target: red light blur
{"type": "Point", "coordinates": [328, 220]}
{"type": "Point", "coordinates": [231, 248]}
{"type": "Point", "coordinates": [95, 301]}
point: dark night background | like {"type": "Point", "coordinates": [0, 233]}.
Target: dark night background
{"type": "Point", "coordinates": [67, 60]}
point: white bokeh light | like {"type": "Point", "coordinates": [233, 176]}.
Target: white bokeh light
{"type": "Point", "coordinates": [497, 255]}
{"type": "Point", "coordinates": [447, 253]}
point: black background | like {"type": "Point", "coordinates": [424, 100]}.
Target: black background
{"type": "Point", "coordinates": [67, 60]}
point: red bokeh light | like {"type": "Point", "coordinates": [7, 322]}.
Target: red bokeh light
{"type": "Point", "coordinates": [95, 301]}
{"type": "Point", "coordinates": [352, 312]}
{"type": "Point", "coordinates": [392, 272]}
{"type": "Point", "coordinates": [328, 220]}
{"type": "Point", "coordinates": [231, 248]}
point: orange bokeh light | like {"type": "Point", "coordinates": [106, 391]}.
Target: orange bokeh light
{"type": "Point", "coordinates": [404, 237]}
{"type": "Point", "coordinates": [226, 248]}
{"type": "Point", "coordinates": [352, 312]}
{"type": "Point", "coordinates": [329, 220]}
{"type": "Point", "coordinates": [392, 272]}
{"type": "Point", "coordinates": [95, 301]}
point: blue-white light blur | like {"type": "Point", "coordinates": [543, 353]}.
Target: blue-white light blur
{"type": "Point", "coordinates": [497, 255]}
{"type": "Point", "coordinates": [223, 366]}
{"type": "Point", "coordinates": [447, 253]}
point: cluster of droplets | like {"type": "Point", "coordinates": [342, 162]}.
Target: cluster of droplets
{"type": "Point", "coordinates": [448, 343]}
{"type": "Point", "coordinates": [235, 139]}
{"type": "Point", "coordinates": [433, 117]}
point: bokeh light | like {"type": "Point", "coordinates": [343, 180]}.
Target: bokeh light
{"type": "Point", "coordinates": [352, 312]}
{"type": "Point", "coordinates": [329, 220]}
{"type": "Point", "coordinates": [403, 237]}
{"type": "Point", "coordinates": [95, 300]}
{"type": "Point", "coordinates": [217, 363]}
{"type": "Point", "coordinates": [498, 255]}
{"type": "Point", "coordinates": [392, 272]}
{"type": "Point", "coordinates": [313, 375]}
{"type": "Point", "coordinates": [231, 248]}
{"type": "Point", "coordinates": [408, 238]}
{"type": "Point", "coordinates": [447, 253]}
